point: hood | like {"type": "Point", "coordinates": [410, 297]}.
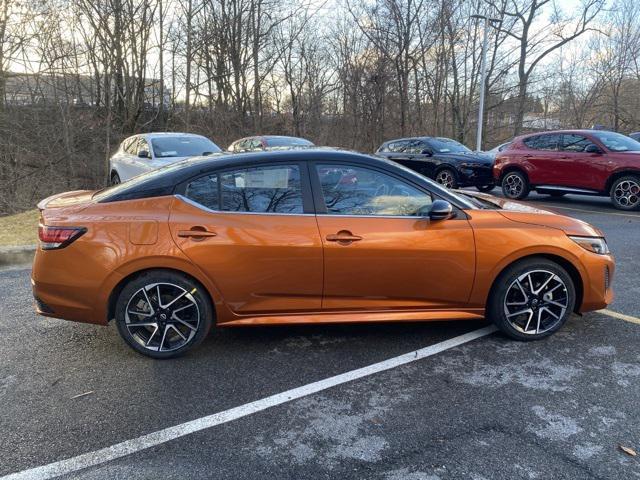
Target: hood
{"type": "Point", "coordinates": [471, 157]}
{"type": "Point", "coordinates": [524, 213]}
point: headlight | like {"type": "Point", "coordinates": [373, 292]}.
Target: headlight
{"type": "Point", "coordinates": [593, 244]}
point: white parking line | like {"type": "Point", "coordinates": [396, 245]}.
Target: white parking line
{"type": "Point", "coordinates": [620, 316]}
{"type": "Point", "coordinates": [97, 457]}
{"type": "Point", "coordinates": [596, 211]}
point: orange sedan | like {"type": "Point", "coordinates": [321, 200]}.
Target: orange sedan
{"type": "Point", "coordinates": [315, 236]}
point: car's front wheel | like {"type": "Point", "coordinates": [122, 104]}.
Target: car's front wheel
{"type": "Point", "coordinates": [625, 192]}
{"type": "Point", "coordinates": [485, 188]}
{"type": "Point", "coordinates": [532, 299]}
{"type": "Point", "coordinates": [515, 185]}
{"type": "Point", "coordinates": [447, 178]}
{"type": "Point", "coordinates": [163, 314]}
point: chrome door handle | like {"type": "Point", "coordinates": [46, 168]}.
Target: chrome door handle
{"type": "Point", "coordinates": [344, 237]}
{"type": "Point", "coordinates": [197, 233]}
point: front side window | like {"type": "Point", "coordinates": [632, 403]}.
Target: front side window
{"type": "Point", "coordinates": [131, 146]}
{"type": "Point", "coordinates": [269, 189]}
{"type": "Point", "coordinates": [417, 147]}
{"type": "Point", "coordinates": [205, 191]}
{"type": "Point", "coordinates": [352, 190]}
{"type": "Point", "coordinates": [574, 143]}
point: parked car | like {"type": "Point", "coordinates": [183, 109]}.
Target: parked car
{"type": "Point", "coordinates": [446, 161]}
{"type": "Point", "coordinates": [585, 162]}
{"type": "Point", "coordinates": [496, 150]}
{"type": "Point", "coordinates": [268, 142]}
{"type": "Point", "coordinates": [283, 238]}
{"type": "Point", "coordinates": [635, 136]}
{"type": "Point", "coordinates": [148, 151]}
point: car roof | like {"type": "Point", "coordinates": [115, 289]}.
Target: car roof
{"type": "Point", "coordinates": [578, 131]}
{"type": "Point", "coordinates": [169, 134]}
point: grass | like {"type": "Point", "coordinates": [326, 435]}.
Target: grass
{"type": "Point", "coordinates": [19, 229]}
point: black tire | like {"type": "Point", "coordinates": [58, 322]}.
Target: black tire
{"type": "Point", "coordinates": [193, 303]}
{"type": "Point", "coordinates": [515, 185]}
{"type": "Point", "coordinates": [485, 188]}
{"type": "Point", "coordinates": [506, 291]}
{"type": "Point", "coordinates": [115, 179]}
{"type": "Point", "coordinates": [447, 177]}
{"type": "Point", "coordinates": [625, 193]}
{"type": "Point", "coordinates": [556, 194]}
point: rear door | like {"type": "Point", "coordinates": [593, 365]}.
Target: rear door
{"type": "Point", "coordinates": [379, 254]}
{"type": "Point", "coordinates": [252, 231]}
{"type": "Point", "coordinates": [542, 158]}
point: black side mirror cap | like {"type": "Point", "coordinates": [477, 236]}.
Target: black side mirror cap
{"type": "Point", "coordinates": [426, 152]}
{"type": "Point", "coordinates": [440, 210]}
{"type": "Point", "coordinates": [143, 154]}
{"type": "Point", "coordinates": [592, 148]}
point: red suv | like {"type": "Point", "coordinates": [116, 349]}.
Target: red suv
{"type": "Point", "coordinates": [585, 162]}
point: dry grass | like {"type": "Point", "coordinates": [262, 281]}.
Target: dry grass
{"type": "Point", "coordinates": [19, 229]}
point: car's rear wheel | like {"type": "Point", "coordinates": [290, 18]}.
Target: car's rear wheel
{"type": "Point", "coordinates": [486, 188]}
{"type": "Point", "coordinates": [447, 178]}
{"type": "Point", "coordinates": [532, 299]}
{"type": "Point", "coordinates": [515, 185]}
{"type": "Point", "coordinates": [115, 179]}
{"type": "Point", "coordinates": [625, 192]}
{"type": "Point", "coordinates": [163, 314]}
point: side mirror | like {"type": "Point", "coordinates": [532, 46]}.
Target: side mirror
{"type": "Point", "coordinates": [440, 210]}
{"type": "Point", "coordinates": [426, 152]}
{"type": "Point", "coordinates": [592, 148]}
{"type": "Point", "coordinates": [143, 154]}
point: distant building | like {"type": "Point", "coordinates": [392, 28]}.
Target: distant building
{"type": "Point", "coordinates": [79, 90]}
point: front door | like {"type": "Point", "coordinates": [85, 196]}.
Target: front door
{"type": "Point", "coordinates": [578, 168]}
{"type": "Point", "coordinates": [252, 231]}
{"type": "Point", "coordinates": [379, 253]}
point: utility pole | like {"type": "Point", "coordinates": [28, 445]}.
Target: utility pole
{"type": "Point", "coordinates": [483, 74]}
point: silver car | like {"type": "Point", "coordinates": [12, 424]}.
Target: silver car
{"type": "Point", "coordinates": [148, 151]}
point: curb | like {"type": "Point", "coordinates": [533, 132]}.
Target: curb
{"type": "Point", "coordinates": [19, 255]}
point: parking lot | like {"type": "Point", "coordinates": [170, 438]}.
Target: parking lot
{"type": "Point", "coordinates": [486, 408]}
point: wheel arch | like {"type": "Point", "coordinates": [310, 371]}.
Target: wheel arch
{"type": "Point", "coordinates": [115, 291]}
{"type": "Point", "coordinates": [514, 168]}
{"type": "Point", "coordinates": [618, 174]}
{"type": "Point", "coordinates": [571, 269]}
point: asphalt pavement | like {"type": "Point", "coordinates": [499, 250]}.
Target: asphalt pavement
{"type": "Point", "coordinates": [490, 408]}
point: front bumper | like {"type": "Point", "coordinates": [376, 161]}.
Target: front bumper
{"type": "Point", "coordinates": [476, 175]}
{"type": "Point", "coordinates": [598, 290]}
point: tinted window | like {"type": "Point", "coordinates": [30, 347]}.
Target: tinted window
{"type": "Point", "coordinates": [288, 142]}
{"type": "Point", "coordinates": [617, 142]}
{"type": "Point", "coordinates": [503, 146]}
{"type": "Point", "coordinates": [416, 146]}
{"type": "Point", "coordinates": [354, 190]}
{"type": "Point", "coordinates": [397, 146]}
{"type": "Point", "coordinates": [205, 191]}
{"type": "Point", "coordinates": [543, 142]}
{"type": "Point", "coordinates": [446, 145]}
{"type": "Point", "coordinates": [274, 189]}
{"type": "Point", "coordinates": [574, 143]}
{"type": "Point", "coordinates": [182, 146]}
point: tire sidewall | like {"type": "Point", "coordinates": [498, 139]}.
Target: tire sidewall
{"type": "Point", "coordinates": [453, 174]}
{"type": "Point", "coordinates": [502, 283]}
{"type": "Point", "coordinates": [200, 296]}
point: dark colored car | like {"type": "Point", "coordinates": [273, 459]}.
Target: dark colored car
{"type": "Point", "coordinates": [585, 162]}
{"type": "Point", "coordinates": [268, 142]}
{"type": "Point", "coordinates": [635, 136]}
{"type": "Point", "coordinates": [446, 161]}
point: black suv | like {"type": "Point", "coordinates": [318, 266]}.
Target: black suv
{"type": "Point", "coordinates": [446, 161]}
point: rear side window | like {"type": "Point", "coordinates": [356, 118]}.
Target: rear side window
{"type": "Point", "coordinates": [543, 142]}
{"type": "Point", "coordinates": [268, 189]}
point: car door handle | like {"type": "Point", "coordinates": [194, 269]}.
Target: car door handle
{"type": "Point", "coordinates": [343, 237]}
{"type": "Point", "coordinates": [197, 233]}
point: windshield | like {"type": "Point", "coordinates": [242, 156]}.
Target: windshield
{"type": "Point", "coordinates": [617, 142]}
{"type": "Point", "coordinates": [446, 145]}
{"type": "Point", "coordinates": [182, 146]}
{"type": "Point", "coordinates": [288, 142]}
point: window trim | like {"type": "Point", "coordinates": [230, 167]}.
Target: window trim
{"type": "Point", "coordinates": [307, 200]}
{"type": "Point", "coordinates": [321, 207]}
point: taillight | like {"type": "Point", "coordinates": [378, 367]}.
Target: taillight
{"type": "Point", "coordinates": [58, 237]}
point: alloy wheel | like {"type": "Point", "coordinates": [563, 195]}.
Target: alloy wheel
{"type": "Point", "coordinates": [513, 184]}
{"type": "Point", "coordinates": [162, 317]}
{"type": "Point", "coordinates": [627, 193]}
{"type": "Point", "coordinates": [536, 302]}
{"type": "Point", "coordinates": [445, 178]}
